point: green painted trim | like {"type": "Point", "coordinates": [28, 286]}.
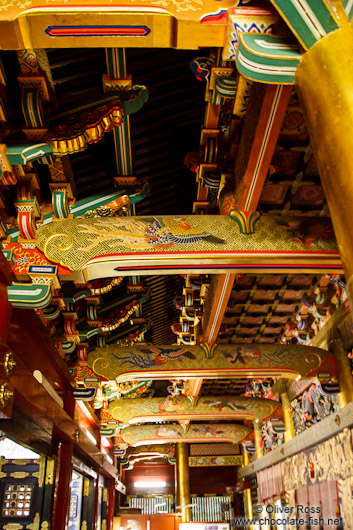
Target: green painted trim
{"type": "Point", "coordinates": [32, 295]}
{"type": "Point", "coordinates": [226, 87]}
{"type": "Point", "coordinates": [144, 299]}
{"type": "Point", "coordinates": [101, 341]}
{"type": "Point", "coordinates": [91, 311]}
{"type": "Point", "coordinates": [60, 204]}
{"type": "Point", "coordinates": [23, 153]}
{"type": "Point", "coordinates": [9, 255]}
{"type": "Point", "coordinates": [32, 107]}
{"type": "Point", "coordinates": [88, 332]}
{"type": "Point", "coordinates": [51, 312]}
{"type": "Point", "coordinates": [72, 296]}
{"type": "Point", "coordinates": [270, 48]}
{"type": "Point", "coordinates": [120, 62]}
{"type": "Point", "coordinates": [116, 63]}
{"type": "Point", "coordinates": [308, 20]}
{"type": "Point", "coordinates": [69, 346]}
{"type": "Point", "coordinates": [267, 59]}
{"type": "Point", "coordinates": [136, 100]}
{"type": "Point", "coordinates": [123, 147]}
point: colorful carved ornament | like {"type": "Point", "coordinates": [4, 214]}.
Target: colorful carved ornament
{"type": "Point", "coordinates": [245, 19]}
{"type": "Point", "coordinates": [83, 128]}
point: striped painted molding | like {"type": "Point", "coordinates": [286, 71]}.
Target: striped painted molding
{"type": "Point", "coordinates": [308, 20]}
{"type": "Point", "coordinates": [267, 59]}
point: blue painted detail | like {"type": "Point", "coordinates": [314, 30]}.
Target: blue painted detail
{"type": "Point", "coordinates": [42, 269]}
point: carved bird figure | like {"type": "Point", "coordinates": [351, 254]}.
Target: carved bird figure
{"type": "Point", "coordinates": [165, 232]}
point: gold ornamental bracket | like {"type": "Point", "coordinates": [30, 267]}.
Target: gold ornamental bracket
{"type": "Point", "coordinates": [142, 362]}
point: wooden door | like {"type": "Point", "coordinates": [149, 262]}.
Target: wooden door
{"type": "Point", "coordinates": [162, 522]}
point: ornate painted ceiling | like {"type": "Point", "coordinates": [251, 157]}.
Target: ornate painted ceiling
{"type": "Point", "coordinates": [187, 156]}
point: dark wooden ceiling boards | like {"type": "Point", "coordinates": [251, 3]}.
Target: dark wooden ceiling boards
{"type": "Point", "coordinates": [162, 132]}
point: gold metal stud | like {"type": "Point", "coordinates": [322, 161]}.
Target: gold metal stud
{"type": "Point", "coordinates": [5, 395]}
{"type": "Point", "coordinates": [9, 363]}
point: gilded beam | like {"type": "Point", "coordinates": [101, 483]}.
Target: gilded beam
{"type": "Point", "coordinates": [184, 24]}
{"type": "Point", "coordinates": [143, 362]}
{"type": "Point", "coordinates": [150, 410]}
{"type": "Point", "coordinates": [196, 433]}
{"type": "Point", "coordinates": [150, 450]}
{"type": "Point", "coordinates": [241, 242]}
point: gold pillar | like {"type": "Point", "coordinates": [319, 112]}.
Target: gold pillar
{"type": "Point", "coordinates": [258, 439]}
{"type": "Point", "coordinates": [344, 371]}
{"type": "Point", "coordinates": [245, 456]}
{"type": "Point", "coordinates": [287, 416]}
{"type": "Point", "coordinates": [247, 491]}
{"type": "Point", "coordinates": [183, 484]}
{"type": "Point", "coordinates": [324, 82]}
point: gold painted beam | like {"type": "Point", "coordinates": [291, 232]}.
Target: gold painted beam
{"type": "Point", "coordinates": [151, 450]}
{"type": "Point", "coordinates": [150, 410]}
{"type": "Point", "coordinates": [143, 362]}
{"type": "Point", "coordinates": [96, 24]}
{"type": "Point", "coordinates": [196, 433]}
{"type": "Point", "coordinates": [206, 243]}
